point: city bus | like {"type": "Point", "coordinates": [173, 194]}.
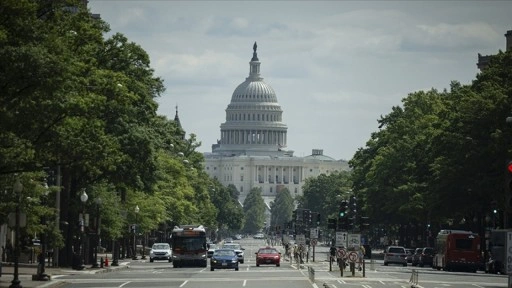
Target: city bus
{"type": "Point", "coordinates": [457, 250]}
{"type": "Point", "coordinates": [188, 244]}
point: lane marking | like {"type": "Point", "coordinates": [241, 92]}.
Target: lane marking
{"type": "Point", "coordinates": [186, 281]}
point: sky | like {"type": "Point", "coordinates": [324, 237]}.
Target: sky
{"type": "Point", "coordinates": [336, 66]}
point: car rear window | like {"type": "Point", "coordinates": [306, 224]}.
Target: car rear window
{"type": "Point", "coordinates": [161, 246]}
{"type": "Point", "coordinates": [396, 250]}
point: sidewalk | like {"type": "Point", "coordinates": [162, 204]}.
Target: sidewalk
{"type": "Point", "coordinates": [25, 272]}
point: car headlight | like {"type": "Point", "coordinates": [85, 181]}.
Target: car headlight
{"type": "Point", "coordinates": [234, 261]}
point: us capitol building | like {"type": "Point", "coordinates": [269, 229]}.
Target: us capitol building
{"type": "Point", "coordinates": [251, 150]}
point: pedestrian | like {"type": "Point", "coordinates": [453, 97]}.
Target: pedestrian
{"type": "Point", "coordinates": [361, 253]}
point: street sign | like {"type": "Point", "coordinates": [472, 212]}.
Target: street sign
{"type": "Point", "coordinates": [341, 253]}
{"type": "Point", "coordinates": [341, 239]}
{"type": "Point", "coordinates": [313, 233]}
{"type": "Point", "coordinates": [509, 253]}
{"type": "Point", "coordinates": [301, 239]}
{"type": "Point", "coordinates": [314, 242]}
{"type": "Point", "coordinates": [352, 256]}
{"type": "Point", "coordinates": [354, 240]}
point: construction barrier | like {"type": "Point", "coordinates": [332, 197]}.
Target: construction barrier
{"type": "Point", "coordinates": [311, 273]}
{"type": "Point", "coordinates": [414, 278]}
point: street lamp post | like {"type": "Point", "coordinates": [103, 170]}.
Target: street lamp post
{"type": "Point", "coordinates": [18, 187]}
{"type": "Point", "coordinates": [98, 205]}
{"type": "Point", "coordinates": [83, 198]}
{"type": "Point", "coordinates": [135, 234]}
{"type": "Point", "coordinates": [41, 275]}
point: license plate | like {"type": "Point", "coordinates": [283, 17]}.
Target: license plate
{"type": "Point", "coordinates": [224, 264]}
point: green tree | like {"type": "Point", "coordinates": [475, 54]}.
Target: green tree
{"type": "Point", "coordinates": [254, 210]}
{"type": "Point", "coordinates": [322, 194]}
{"type": "Point", "coordinates": [281, 209]}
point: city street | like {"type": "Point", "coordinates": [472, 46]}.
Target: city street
{"type": "Point", "coordinates": [142, 273]}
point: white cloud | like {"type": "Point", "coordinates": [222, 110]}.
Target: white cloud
{"type": "Point", "coordinates": [336, 66]}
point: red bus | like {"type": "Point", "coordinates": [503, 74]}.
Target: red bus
{"type": "Point", "coordinates": [457, 250]}
{"type": "Point", "coordinates": [188, 244]}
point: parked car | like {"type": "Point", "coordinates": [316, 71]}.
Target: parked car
{"type": "Point", "coordinates": [268, 255]}
{"type": "Point", "coordinates": [416, 256]}
{"type": "Point", "coordinates": [224, 259]}
{"type": "Point", "coordinates": [160, 251]}
{"type": "Point", "coordinates": [410, 254]}
{"type": "Point", "coordinates": [395, 255]}
{"type": "Point", "coordinates": [259, 236]}
{"type": "Point", "coordinates": [238, 250]}
{"type": "Point", "coordinates": [426, 256]}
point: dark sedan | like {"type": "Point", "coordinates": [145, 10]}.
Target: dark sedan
{"type": "Point", "coordinates": [224, 259]}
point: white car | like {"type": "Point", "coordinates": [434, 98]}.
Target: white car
{"type": "Point", "coordinates": [160, 251]}
{"type": "Point", "coordinates": [238, 250]}
{"type": "Point", "coordinates": [211, 249]}
{"type": "Point", "coordinates": [259, 236]}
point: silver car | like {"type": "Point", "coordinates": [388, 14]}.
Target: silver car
{"type": "Point", "coordinates": [160, 251]}
{"type": "Point", "coordinates": [395, 255]}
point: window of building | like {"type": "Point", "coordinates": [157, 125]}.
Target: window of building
{"type": "Point", "coordinates": [241, 188]}
{"type": "Point", "coordinates": [270, 189]}
{"type": "Point", "coordinates": [241, 177]}
{"type": "Point", "coordinates": [241, 168]}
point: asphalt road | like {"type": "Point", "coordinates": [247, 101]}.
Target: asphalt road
{"type": "Point", "coordinates": [142, 273]}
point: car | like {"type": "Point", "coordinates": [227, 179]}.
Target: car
{"type": "Point", "coordinates": [211, 249]}
{"type": "Point", "coordinates": [395, 255]}
{"type": "Point", "coordinates": [410, 254]}
{"type": "Point", "coordinates": [259, 236]}
{"type": "Point", "coordinates": [160, 251]}
{"type": "Point", "coordinates": [228, 240]}
{"type": "Point", "coordinates": [238, 250]}
{"type": "Point", "coordinates": [268, 255]}
{"type": "Point", "coordinates": [426, 257]}
{"type": "Point", "coordinates": [224, 259]}
{"type": "Point", "coordinates": [416, 256]}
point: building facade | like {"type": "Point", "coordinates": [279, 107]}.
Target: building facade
{"type": "Point", "coordinates": [252, 150]}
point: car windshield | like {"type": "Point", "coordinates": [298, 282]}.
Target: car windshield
{"type": "Point", "coordinates": [396, 250]}
{"type": "Point", "coordinates": [161, 246]}
{"type": "Point", "coordinates": [232, 246]}
{"type": "Point", "coordinates": [224, 253]}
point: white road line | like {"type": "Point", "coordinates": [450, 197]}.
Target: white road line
{"type": "Point", "coordinates": [125, 283]}
{"type": "Point", "coordinates": [186, 281]}
{"type": "Point", "coordinates": [245, 282]}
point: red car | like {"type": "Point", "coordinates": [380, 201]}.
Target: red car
{"type": "Point", "coordinates": [268, 255]}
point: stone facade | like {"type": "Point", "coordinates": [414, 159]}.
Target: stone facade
{"type": "Point", "coordinates": [251, 151]}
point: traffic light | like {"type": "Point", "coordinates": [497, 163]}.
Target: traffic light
{"type": "Point", "coordinates": [331, 224]}
{"type": "Point", "coordinates": [343, 210]}
{"type": "Point", "coordinates": [508, 183]}
{"type": "Point", "coordinates": [318, 219]}
{"type": "Point", "coordinates": [306, 216]}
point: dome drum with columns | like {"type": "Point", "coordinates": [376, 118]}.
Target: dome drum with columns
{"type": "Point", "coordinates": [251, 150]}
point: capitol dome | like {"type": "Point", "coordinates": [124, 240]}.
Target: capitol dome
{"type": "Point", "coordinates": [253, 117]}
{"type": "Point", "coordinates": [254, 91]}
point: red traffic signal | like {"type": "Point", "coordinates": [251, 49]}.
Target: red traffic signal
{"type": "Point", "coordinates": [509, 166]}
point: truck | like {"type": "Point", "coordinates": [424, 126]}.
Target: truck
{"type": "Point", "coordinates": [497, 252]}
{"type": "Point", "coordinates": [457, 250]}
